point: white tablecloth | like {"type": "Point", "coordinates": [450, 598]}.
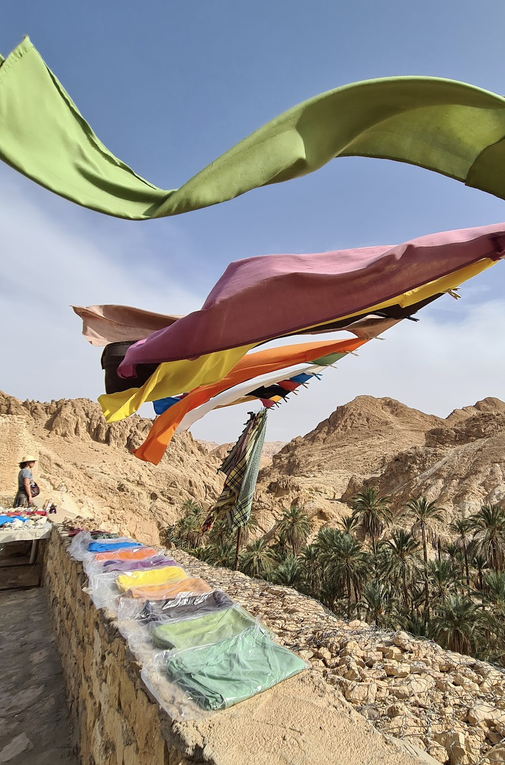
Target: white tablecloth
{"type": "Point", "coordinates": [25, 535]}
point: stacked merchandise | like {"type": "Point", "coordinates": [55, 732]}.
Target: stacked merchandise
{"type": "Point", "coordinates": [200, 651]}
{"type": "Point", "coordinates": [29, 520]}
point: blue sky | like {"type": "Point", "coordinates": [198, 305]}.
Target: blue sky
{"type": "Point", "coordinates": [168, 87]}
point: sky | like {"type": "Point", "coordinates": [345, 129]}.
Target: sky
{"type": "Point", "coordinates": [168, 87]}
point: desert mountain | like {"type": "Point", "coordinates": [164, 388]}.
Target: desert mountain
{"type": "Point", "coordinates": [86, 465]}
{"type": "Point", "coordinates": [458, 461]}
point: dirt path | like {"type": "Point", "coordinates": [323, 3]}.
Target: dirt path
{"type": "Point", "coordinates": [34, 728]}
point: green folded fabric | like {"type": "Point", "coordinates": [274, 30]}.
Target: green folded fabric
{"type": "Point", "coordinates": [222, 674]}
{"type": "Point", "coordinates": [202, 630]}
{"type": "Point", "coordinates": [442, 125]}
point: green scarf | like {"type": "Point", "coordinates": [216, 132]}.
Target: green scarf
{"type": "Point", "coordinates": [442, 125]}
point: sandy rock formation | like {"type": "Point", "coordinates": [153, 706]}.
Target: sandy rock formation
{"type": "Point", "coordinates": [459, 461]}
{"type": "Point", "coordinates": [86, 465]}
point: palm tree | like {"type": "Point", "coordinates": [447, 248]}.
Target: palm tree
{"type": "Point", "coordinates": [250, 526]}
{"type": "Point", "coordinates": [456, 624]}
{"type": "Point", "coordinates": [312, 571]}
{"type": "Point", "coordinates": [326, 541]}
{"type": "Point", "coordinates": [188, 529]}
{"type": "Point", "coordinates": [488, 525]}
{"type": "Point", "coordinates": [222, 554]}
{"type": "Point", "coordinates": [289, 573]}
{"type": "Point", "coordinates": [462, 527]}
{"type": "Point", "coordinates": [294, 527]}
{"type": "Point", "coordinates": [219, 532]}
{"type": "Point", "coordinates": [372, 514]}
{"type": "Point", "coordinates": [479, 564]}
{"type": "Point", "coordinates": [443, 577]}
{"type": "Point", "coordinates": [453, 552]}
{"type": "Point", "coordinates": [349, 523]}
{"type": "Point", "coordinates": [379, 603]}
{"type": "Point", "coordinates": [400, 559]}
{"type": "Point", "coordinates": [495, 588]}
{"type": "Point", "coordinates": [423, 513]}
{"type": "Point", "coordinates": [346, 566]}
{"type": "Point", "coordinates": [494, 602]}
{"type": "Point", "coordinates": [417, 624]}
{"type": "Point", "coordinates": [257, 559]}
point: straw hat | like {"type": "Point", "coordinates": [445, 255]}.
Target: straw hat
{"type": "Point", "coordinates": [29, 458]}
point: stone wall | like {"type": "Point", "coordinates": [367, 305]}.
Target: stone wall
{"type": "Point", "coordinates": [302, 721]}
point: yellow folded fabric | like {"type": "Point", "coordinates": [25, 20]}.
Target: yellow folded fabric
{"type": "Point", "coordinates": [148, 578]}
{"type": "Point", "coordinates": [170, 379]}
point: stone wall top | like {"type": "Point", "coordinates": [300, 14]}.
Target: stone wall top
{"type": "Point", "coordinates": [301, 721]}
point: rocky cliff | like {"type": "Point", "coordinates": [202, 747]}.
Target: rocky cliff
{"type": "Point", "coordinates": [86, 465]}
{"type": "Point", "coordinates": [458, 461]}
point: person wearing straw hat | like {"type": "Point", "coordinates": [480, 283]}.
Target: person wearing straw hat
{"type": "Point", "coordinates": [26, 485]}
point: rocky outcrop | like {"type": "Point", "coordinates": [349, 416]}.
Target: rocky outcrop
{"type": "Point", "coordinates": [458, 461]}
{"type": "Point", "coordinates": [87, 467]}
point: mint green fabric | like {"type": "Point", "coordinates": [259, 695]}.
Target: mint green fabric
{"type": "Point", "coordinates": [202, 630]}
{"type": "Point", "coordinates": [224, 673]}
{"type": "Point", "coordinates": [443, 125]}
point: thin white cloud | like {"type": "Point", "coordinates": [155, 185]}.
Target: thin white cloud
{"type": "Point", "coordinates": [49, 263]}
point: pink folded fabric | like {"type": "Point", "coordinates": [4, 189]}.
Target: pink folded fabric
{"type": "Point", "coordinates": [261, 298]}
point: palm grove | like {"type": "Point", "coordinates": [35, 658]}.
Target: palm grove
{"type": "Point", "coordinates": [371, 567]}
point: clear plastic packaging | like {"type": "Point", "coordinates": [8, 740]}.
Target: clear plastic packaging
{"type": "Point", "coordinates": [184, 606]}
{"type": "Point", "coordinates": [205, 625]}
{"type": "Point", "coordinates": [194, 682]}
{"type": "Point", "coordinates": [187, 586]}
{"type": "Point", "coordinates": [130, 553]}
{"type": "Point", "coordinates": [147, 564]}
{"type": "Point", "coordinates": [79, 545]}
{"type": "Point", "coordinates": [112, 545]}
{"type": "Point", "coordinates": [92, 564]}
{"type": "Point", "coordinates": [157, 576]}
{"type": "Point", "coordinates": [211, 628]}
{"type": "Point", "coordinates": [103, 590]}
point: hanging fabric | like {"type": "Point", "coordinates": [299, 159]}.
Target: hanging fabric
{"type": "Point", "coordinates": [445, 126]}
{"type": "Point", "coordinates": [241, 467]}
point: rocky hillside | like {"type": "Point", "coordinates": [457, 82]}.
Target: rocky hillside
{"type": "Point", "coordinates": [459, 461]}
{"type": "Point", "coordinates": [86, 465]}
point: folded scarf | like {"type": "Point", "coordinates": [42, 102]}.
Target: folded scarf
{"type": "Point", "coordinates": [158, 561]}
{"type": "Point", "coordinates": [147, 578]}
{"type": "Point", "coordinates": [138, 553]}
{"type": "Point", "coordinates": [183, 607]}
{"type": "Point", "coordinates": [102, 547]}
{"type": "Point", "coordinates": [203, 629]}
{"type": "Point", "coordinates": [221, 674]}
{"type": "Point", "coordinates": [166, 591]}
